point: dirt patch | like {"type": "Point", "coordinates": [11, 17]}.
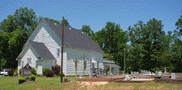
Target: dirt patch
{"type": "Point", "coordinates": [92, 85]}
{"type": "Point", "coordinates": [39, 88]}
{"type": "Point", "coordinates": [104, 79]}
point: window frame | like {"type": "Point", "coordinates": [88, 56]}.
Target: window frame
{"type": "Point", "coordinates": [29, 60]}
{"type": "Point", "coordinates": [36, 63]}
{"type": "Point", "coordinates": [58, 52]}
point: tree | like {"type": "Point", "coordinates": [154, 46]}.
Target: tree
{"type": "Point", "coordinates": [88, 31]}
{"type": "Point", "coordinates": [177, 47]}
{"type": "Point", "coordinates": [66, 23]}
{"type": "Point", "coordinates": [40, 18]}
{"type": "Point", "coordinates": [15, 31]}
{"type": "Point", "coordinates": [26, 18]}
{"type": "Point", "coordinates": [147, 44]}
{"type": "Point", "coordinates": [112, 40]}
{"type": "Point", "coordinates": [4, 38]}
{"type": "Point", "coordinates": [179, 26]}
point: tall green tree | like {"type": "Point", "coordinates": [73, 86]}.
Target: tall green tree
{"type": "Point", "coordinates": [17, 29]}
{"type": "Point", "coordinates": [179, 26]}
{"type": "Point", "coordinates": [4, 38]}
{"type": "Point", "coordinates": [88, 31]}
{"type": "Point", "coordinates": [177, 47]}
{"type": "Point", "coordinates": [112, 39]}
{"type": "Point", "coordinates": [147, 41]}
{"type": "Point", "coordinates": [40, 18]}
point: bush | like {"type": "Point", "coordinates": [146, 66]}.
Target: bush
{"type": "Point", "coordinates": [60, 74]}
{"type": "Point", "coordinates": [15, 73]}
{"type": "Point", "coordinates": [21, 79]}
{"type": "Point", "coordinates": [11, 72]}
{"type": "Point", "coordinates": [20, 70]}
{"type": "Point", "coordinates": [56, 69]}
{"type": "Point", "coordinates": [39, 75]}
{"type": "Point", "coordinates": [49, 73]}
{"type": "Point", "coordinates": [44, 70]}
{"type": "Point", "coordinates": [34, 71]}
{"type": "Point", "coordinates": [32, 77]}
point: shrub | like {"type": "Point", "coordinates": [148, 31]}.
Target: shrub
{"type": "Point", "coordinates": [11, 72]}
{"type": "Point", "coordinates": [21, 79]}
{"type": "Point", "coordinates": [39, 75]}
{"type": "Point", "coordinates": [34, 71]}
{"type": "Point", "coordinates": [56, 69]}
{"type": "Point", "coordinates": [20, 70]}
{"type": "Point", "coordinates": [49, 73]}
{"type": "Point", "coordinates": [15, 73]}
{"type": "Point", "coordinates": [32, 77]}
{"type": "Point", "coordinates": [44, 70]}
{"type": "Point", "coordinates": [60, 74]}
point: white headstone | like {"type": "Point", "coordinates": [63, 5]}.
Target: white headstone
{"type": "Point", "coordinates": [137, 72]}
{"type": "Point", "coordinates": [127, 77]}
{"type": "Point", "coordinates": [156, 72]}
{"type": "Point", "coordinates": [159, 73]}
{"type": "Point", "coordinates": [173, 76]}
{"type": "Point", "coordinates": [131, 72]}
{"type": "Point", "coordinates": [80, 76]}
{"type": "Point", "coordinates": [153, 73]}
{"type": "Point", "coordinates": [165, 70]}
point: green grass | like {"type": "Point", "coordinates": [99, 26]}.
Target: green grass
{"type": "Point", "coordinates": [47, 83]}
{"type": "Point", "coordinates": [9, 83]}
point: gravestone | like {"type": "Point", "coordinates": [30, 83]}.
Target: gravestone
{"type": "Point", "coordinates": [27, 71]}
{"type": "Point", "coordinates": [156, 72]}
{"type": "Point", "coordinates": [131, 72]}
{"type": "Point", "coordinates": [137, 72]}
{"type": "Point", "coordinates": [141, 71]}
{"type": "Point", "coordinates": [127, 77]}
{"type": "Point", "coordinates": [173, 76]}
{"type": "Point", "coordinates": [80, 76]}
{"type": "Point", "coordinates": [159, 73]}
{"type": "Point", "coordinates": [165, 70]}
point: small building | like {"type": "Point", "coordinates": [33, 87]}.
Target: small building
{"type": "Point", "coordinates": [111, 67]}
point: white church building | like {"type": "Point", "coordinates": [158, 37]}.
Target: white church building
{"type": "Point", "coordinates": [43, 49]}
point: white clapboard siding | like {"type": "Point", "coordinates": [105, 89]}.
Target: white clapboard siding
{"type": "Point", "coordinates": [76, 53]}
{"type": "Point", "coordinates": [47, 36]}
{"type": "Point", "coordinates": [28, 54]}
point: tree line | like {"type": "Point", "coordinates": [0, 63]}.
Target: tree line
{"type": "Point", "coordinates": [146, 45]}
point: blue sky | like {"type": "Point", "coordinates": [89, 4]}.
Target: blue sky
{"type": "Point", "coordinates": [97, 13]}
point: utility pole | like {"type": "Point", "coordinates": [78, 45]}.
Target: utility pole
{"type": "Point", "coordinates": [62, 50]}
{"type": "Point", "coordinates": [124, 61]}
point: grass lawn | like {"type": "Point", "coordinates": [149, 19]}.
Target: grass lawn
{"type": "Point", "coordinates": [45, 83]}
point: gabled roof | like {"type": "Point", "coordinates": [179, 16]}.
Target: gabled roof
{"type": "Point", "coordinates": [74, 38]}
{"type": "Point", "coordinates": [110, 63]}
{"type": "Point", "coordinates": [107, 61]}
{"type": "Point", "coordinates": [42, 50]}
